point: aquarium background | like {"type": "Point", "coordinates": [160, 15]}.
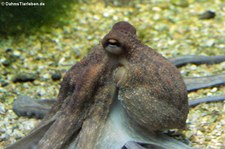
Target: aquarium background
{"type": "Point", "coordinates": [38, 44]}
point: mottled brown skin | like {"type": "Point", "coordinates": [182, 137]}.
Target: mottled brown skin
{"type": "Point", "coordinates": [150, 88]}
{"type": "Point", "coordinates": [29, 107]}
{"type": "Point", "coordinates": [84, 101]}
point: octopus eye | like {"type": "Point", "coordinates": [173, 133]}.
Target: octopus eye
{"type": "Point", "coordinates": [113, 47]}
{"type": "Point", "coordinates": [113, 42]}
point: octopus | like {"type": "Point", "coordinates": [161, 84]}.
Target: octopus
{"type": "Point", "coordinates": [122, 95]}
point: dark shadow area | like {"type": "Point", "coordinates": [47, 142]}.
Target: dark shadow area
{"type": "Point", "coordinates": [20, 16]}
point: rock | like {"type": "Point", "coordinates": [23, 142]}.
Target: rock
{"type": "Point", "coordinates": [10, 57]}
{"type": "Point", "coordinates": [56, 76]}
{"type": "Point", "coordinates": [6, 63]}
{"type": "Point", "coordinates": [4, 137]}
{"type": "Point", "coordinates": [3, 84]}
{"type": "Point", "coordinates": [210, 42]}
{"type": "Point", "coordinates": [180, 3]}
{"type": "Point", "coordinates": [2, 108]}
{"type": "Point", "coordinates": [9, 50]}
{"type": "Point", "coordinates": [207, 15]}
{"type": "Point", "coordinates": [18, 134]}
{"type": "Point", "coordinates": [24, 77]}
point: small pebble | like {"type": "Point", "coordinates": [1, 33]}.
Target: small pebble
{"type": "Point", "coordinates": [2, 108]}
{"type": "Point", "coordinates": [9, 50]}
{"type": "Point", "coordinates": [6, 63]}
{"type": "Point", "coordinates": [56, 76]}
{"type": "Point", "coordinates": [4, 137]}
{"type": "Point", "coordinates": [24, 77]}
{"type": "Point", "coordinates": [3, 84]}
{"type": "Point", "coordinates": [18, 134]}
{"type": "Point", "coordinates": [207, 15]}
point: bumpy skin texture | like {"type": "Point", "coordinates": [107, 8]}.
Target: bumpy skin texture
{"type": "Point", "coordinates": [151, 88]}
{"type": "Point", "coordinates": [75, 77]}
{"type": "Point", "coordinates": [83, 105]}
{"type": "Point", "coordinates": [26, 106]}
